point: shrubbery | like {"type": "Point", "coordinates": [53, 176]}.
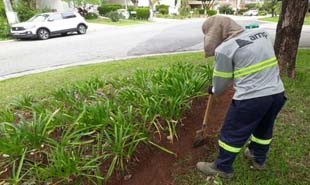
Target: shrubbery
{"type": "Point", "coordinates": [211, 12]}
{"type": "Point", "coordinates": [4, 27]}
{"type": "Point", "coordinates": [201, 11]}
{"type": "Point", "coordinates": [143, 13]}
{"type": "Point", "coordinates": [162, 9]}
{"type": "Point", "coordinates": [132, 9]}
{"type": "Point", "coordinates": [226, 9]}
{"type": "Point", "coordinates": [262, 13]}
{"type": "Point", "coordinates": [2, 10]}
{"type": "Point", "coordinates": [24, 11]}
{"type": "Point", "coordinates": [114, 16]}
{"type": "Point", "coordinates": [91, 15]}
{"type": "Point", "coordinates": [106, 8]}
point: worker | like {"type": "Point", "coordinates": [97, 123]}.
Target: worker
{"type": "Point", "coordinates": [245, 58]}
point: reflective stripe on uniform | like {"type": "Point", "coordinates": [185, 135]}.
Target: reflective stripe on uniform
{"type": "Point", "coordinates": [222, 74]}
{"type": "Point", "coordinates": [247, 70]}
{"type": "Point", "coordinates": [256, 67]}
{"type": "Point", "coordinates": [228, 147]}
{"type": "Point", "coordinates": [260, 141]}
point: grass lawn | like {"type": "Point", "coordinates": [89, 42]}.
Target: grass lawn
{"type": "Point", "coordinates": [43, 83]}
{"type": "Point", "coordinates": [289, 157]}
{"type": "Point", "coordinates": [121, 22]}
{"type": "Point", "coordinates": [275, 19]}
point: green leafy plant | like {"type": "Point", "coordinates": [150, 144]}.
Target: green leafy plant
{"type": "Point", "coordinates": [24, 11]}
{"type": "Point", "coordinates": [114, 16]}
{"type": "Point", "coordinates": [143, 13]}
{"type": "Point", "coordinates": [162, 9]}
{"type": "Point", "coordinates": [106, 8]}
{"type": "Point", "coordinates": [91, 15]}
{"type": "Point", "coordinates": [211, 12]}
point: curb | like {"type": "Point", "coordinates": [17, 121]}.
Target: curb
{"type": "Point", "coordinates": [20, 74]}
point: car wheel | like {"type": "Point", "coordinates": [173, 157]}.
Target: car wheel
{"type": "Point", "coordinates": [81, 29]}
{"type": "Point", "coordinates": [43, 34]}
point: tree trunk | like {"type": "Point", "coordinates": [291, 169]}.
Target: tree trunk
{"type": "Point", "coordinates": [151, 10]}
{"type": "Point", "coordinates": [288, 34]}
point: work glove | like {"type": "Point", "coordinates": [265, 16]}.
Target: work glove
{"type": "Point", "coordinates": [210, 90]}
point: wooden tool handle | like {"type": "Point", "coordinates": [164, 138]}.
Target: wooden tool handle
{"type": "Point", "coordinates": [208, 110]}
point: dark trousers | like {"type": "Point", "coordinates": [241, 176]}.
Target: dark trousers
{"type": "Point", "coordinates": [252, 118]}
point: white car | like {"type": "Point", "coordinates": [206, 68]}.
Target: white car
{"type": "Point", "coordinates": [45, 25]}
{"type": "Point", "coordinates": [251, 13]}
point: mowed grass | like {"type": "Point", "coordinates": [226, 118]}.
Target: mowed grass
{"type": "Point", "coordinates": [121, 22]}
{"type": "Point", "coordinates": [289, 158]}
{"type": "Point", "coordinates": [276, 19]}
{"type": "Point", "coordinates": [43, 83]}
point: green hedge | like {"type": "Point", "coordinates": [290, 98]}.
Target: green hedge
{"type": "Point", "coordinates": [211, 12]}
{"type": "Point", "coordinates": [143, 13]}
{"type": "Point", "coordinates": [106, 8]}
{"type": "Point", "coordinates": [2, 10]}
{"type": "Point", "coordinates": [162, 9]}
{"type": "Point", "coordinates": [226, 9]}
{"type": "Point", "coordinates": [91, 15]}
{"type": "Point", "coordinates": [4, 28]}
{"type": "Point", "coordinates": [201, 11]}
{"type": "Point", "coordinates": [114, 16]}
{"type": "Point", "coordinates": [25, 12]}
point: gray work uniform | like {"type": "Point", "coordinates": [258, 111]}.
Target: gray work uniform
{"type": "Point", "coordinates": [249, 61]}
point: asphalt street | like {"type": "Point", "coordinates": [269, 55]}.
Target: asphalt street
{"type": "Point", "coordinates": [104, 42]}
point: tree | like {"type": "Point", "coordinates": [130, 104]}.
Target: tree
{"type": "Point", "coordinates": [207, 4]}
{"type": "Point", "coordinates": [271, 5]}
{"type": "Point", "coordinates": [288, 34]}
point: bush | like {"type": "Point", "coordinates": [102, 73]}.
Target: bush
{"type": "Point", "coordinates": [106, 8]}
{"type": "Point", "coordinates": [211, 12]}
{"type": "Point", "coordinates": [4, 28]}
{"type": "Point", "coordinates": [114, 16]}
{"type": "Point", "coordinates": [226, 9]}
{"type": "Point", "coordinates": [130, 10]}
{"type": "Point", "coordinates": [162, 9]}
{"type": "Point", "coordinates": [201, 11]}
{"type": "Point", "coordinates": [91, 15]}
{"type": "Point", "coordinates": [24, 11]}
{"type": "Point", "coordinates": [143, 13]}
{"type": "Point", "coordinates": [262, 13]}
{"type": "Point", "coordinates": [2, 10]}
{"type": "Point", "coordinates": [184, 11]}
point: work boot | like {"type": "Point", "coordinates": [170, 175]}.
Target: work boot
{"type": "Point", "coordinates": [211, 169]}
{"type": "Point", "coordinates": [248, 154]}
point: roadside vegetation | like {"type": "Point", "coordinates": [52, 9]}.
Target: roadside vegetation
{"type": "Point", "coordinates": [120, 22]}
{"type": "Point", "coordinates": [4, 26]}
{"type": "Point", "coordinates": [276, 19]}
{"type": "Point", "coordinates": [89, 128]}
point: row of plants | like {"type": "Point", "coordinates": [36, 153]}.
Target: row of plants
{"type": "Point", "coordinates": [86, 132]}
{"type": "Point", "coordinates": [4, 26]}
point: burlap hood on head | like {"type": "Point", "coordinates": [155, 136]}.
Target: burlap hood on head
{"type": "Point", "coordinates": [217, 29]}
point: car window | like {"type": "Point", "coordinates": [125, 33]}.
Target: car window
{"type": "Point", "coordinates": [68, 15]}
{"type": "Point", "coordinates": [55, 17]}
{"type": "Point", "coordinates": [38, 18]}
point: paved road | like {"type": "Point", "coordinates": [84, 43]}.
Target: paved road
{"type": "Point", "coordinates": [104, 42]}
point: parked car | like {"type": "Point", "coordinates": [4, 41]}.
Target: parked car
{"type": "Point", "coordinates": [251, 13]}
{"type": "Point", "coordinates": [43, 26]}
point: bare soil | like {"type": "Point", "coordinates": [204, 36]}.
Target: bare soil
{"type": "Point", "coordinates": [155, 167]}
